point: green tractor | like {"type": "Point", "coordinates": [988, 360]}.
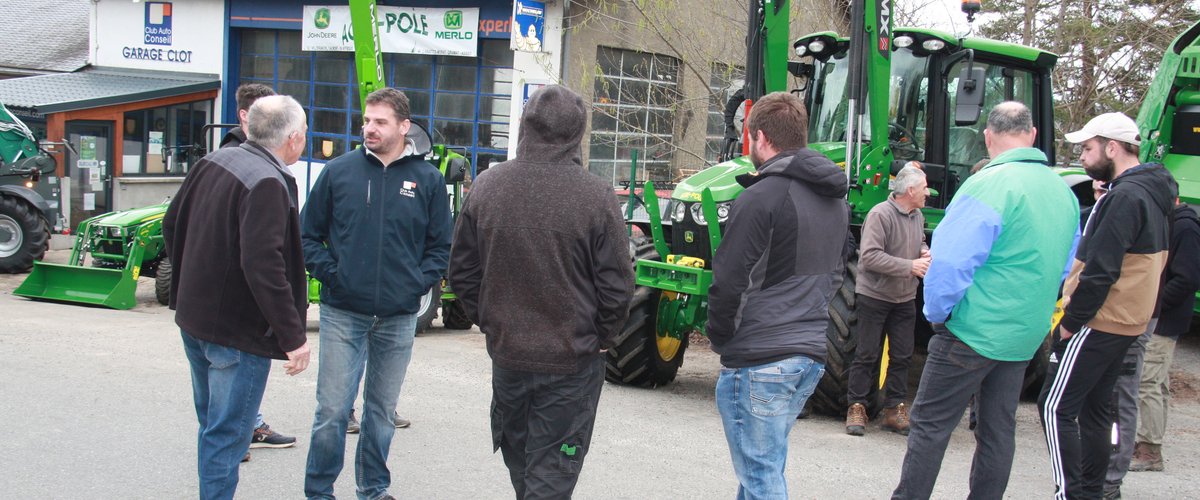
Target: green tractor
{"type": "Point", "coordinates": [111, 252]}
{"type": "Point", "coordinates": [26, 218]}
{"type": "Point", "coordinates": [902, 95]}
{"type": "Point", "coordinates": [1169, 120]}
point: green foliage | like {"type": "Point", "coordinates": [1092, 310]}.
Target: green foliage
{"type": "Point", "coordinates": [1108, 49]}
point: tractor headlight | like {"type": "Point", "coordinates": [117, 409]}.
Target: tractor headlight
{"type": "Point", "coordinates": [816, 46]}
{"type": "Point", "coordinates": [114, 232]}
{"type": "Point", "coordinates": [723, 211]}
{"type": "Point", "coordinates": [933, 45]}
{"type": "Point", "coordinates": [678, 212]}
{"type": "Point", "coordinates": [698, 214]}
{"type": "Point", "coordinates": [903, 41]}
{"type": "Point", "coordinates": [801, 50]}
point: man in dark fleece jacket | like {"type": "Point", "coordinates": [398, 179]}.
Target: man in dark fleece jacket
{"type": "Point", "coordinates": [238, 290]}
{"type": "Point", "coordinates": [377, 235]}
{"type": "Point", "coordinates": [548, 279]}
{"type": "Point", "coordinates": [1108, 301]}
{"type": "Point", "coordinates": [773, 276]}
{"type": "Point", "coordinates": [1177, 300]}
{"type": "Point", "coordinates": [246, 94]}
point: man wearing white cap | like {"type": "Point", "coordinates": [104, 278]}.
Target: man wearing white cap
{"type": "Point", "coordinates": [1109, 298]}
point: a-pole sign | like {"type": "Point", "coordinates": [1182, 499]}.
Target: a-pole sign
{"type": "Point", "coordinates": [402, 30]}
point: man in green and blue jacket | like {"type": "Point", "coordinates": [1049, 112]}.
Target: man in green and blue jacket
{"type": "Point", "coordinates": [999, 256]}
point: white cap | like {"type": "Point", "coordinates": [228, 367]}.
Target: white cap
{"type": "Point", "coordinates": [1115, 126]}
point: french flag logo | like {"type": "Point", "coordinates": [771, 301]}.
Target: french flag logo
{"type": "Point", "coordinates": [410, 185]}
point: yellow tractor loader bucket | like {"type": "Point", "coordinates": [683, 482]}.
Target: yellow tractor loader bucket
{"type": "Point", "coordinates": [85, 285]}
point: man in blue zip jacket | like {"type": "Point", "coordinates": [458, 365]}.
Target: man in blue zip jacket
{"type": "Point", "coordinates": [376, 234]}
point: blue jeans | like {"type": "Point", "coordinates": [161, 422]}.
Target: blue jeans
{"type": "Point", "coordinates": [350, 343]}
{"type": "Point", "coordinates": [953, 372]}
{"type": "Point", "coordinates": [227, 386]}
{"type": "Point", "coordinates": [759, 406]}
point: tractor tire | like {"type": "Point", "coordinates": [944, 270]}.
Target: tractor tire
{"type": "Point", "coordinates": [1035, 373]}
{"type": "Point", "coordinates": [454, 317]}
{"type": "Point", "coordinates": [637, 360]}
{"type": "Point", "coordinates": [162, 281]}
{"type": "Point", "coordinates": [427, 311]}
{"type": "Point", "coordinates": [24, 235]}
{"type": "Point", "coordinates": [841, 342]}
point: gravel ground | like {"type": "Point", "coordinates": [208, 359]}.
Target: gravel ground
{"type": "Point", "coordinates": [97, 404]}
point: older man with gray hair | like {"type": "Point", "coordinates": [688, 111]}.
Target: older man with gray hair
{"type": "Point", "coordinates": [892, 258]}
{"type": "Point", "coordinates": [1002, 250]}
{"type": "Point", "coordinates": [239, 291]}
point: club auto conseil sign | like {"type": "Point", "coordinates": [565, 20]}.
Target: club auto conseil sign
{"type": "Point", "coordinates": [402, 30]}
{"type": "Point", "coordinates": [160, 35]}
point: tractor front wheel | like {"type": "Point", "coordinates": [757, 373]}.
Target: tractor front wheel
{"type": "Point", "coordinates": [841, 342]}
{"type": "Point", "coordinates": [454, 317]}
{"type": "Point", "coordinates": [427, 311]}
{"type": "Point", "coordinates": [644, 356]}
{"type": "Point", "coordinates": [24, 235]}
{"type": "Point", "coordinates": [162, 281]}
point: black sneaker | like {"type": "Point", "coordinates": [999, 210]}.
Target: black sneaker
{"type": "Point", "coordinates": [246, 458]}
{"type": "Point", "coordinates": [352, 426]}
{"type": "Point", "coordinates": [264, 437]}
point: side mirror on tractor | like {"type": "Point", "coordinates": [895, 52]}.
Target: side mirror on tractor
{"type": "Point", "coordinates": [969, 101]}
{"type": "Point", "coordinates": [456, 170]}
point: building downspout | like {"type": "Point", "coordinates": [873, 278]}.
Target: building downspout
{"type": "Point", "coordinates": [93, 38]}
{"type": "Point", "coordinates": [566, 43]}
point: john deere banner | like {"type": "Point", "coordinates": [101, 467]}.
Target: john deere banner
{"type": "Point", "coordinates": [402, 30]}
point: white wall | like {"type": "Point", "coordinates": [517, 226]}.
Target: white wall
{"type": "Point", "coordinates": [196, 44]}
{"type": "Point", "coordinates": [538, 68]}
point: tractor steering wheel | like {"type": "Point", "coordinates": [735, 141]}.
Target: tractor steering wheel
{"type": "Point", "coordinates": [903, 142]}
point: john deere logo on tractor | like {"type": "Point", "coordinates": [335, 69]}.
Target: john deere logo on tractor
{"type": "Point", "coordinates": [321, 18]}
{"type": "Point", "coordinates": [689, 237]}
{"type": "Point", "coordinates": [453, 20]}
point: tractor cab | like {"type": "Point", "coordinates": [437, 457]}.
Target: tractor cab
{"type": "Point", "coordinates": [926, 69]}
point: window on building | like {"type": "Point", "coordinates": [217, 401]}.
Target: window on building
{"type": "Point", "coordinates": [723, 82]}
{"type": "Point", "coordinates": [467, 100]}
{"type": "Point", "coordinates": [633, 108]}
{"type": "Point", "coordinates": [165, 140]}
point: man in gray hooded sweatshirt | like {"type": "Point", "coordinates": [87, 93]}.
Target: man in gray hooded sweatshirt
{"type": "Point", "coordinates": [773, 276]}
{"type": "Point", "coordinates": [547, 278]}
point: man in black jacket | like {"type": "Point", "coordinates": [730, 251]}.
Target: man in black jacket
{"type": "Point", "coordinates": [773, 276]}
{"type": "Point", "coordinates": [1177, 300]}
{"type": "Point", "coordinates": [246, 95]}
{"type": "Point", "coordinates": [548, 279]}
{"type": "Point", "coordinates": [377, 235]}
{"type": "Point", "coordinates": [239, 290]}
{"type": "Point", "coordinates": [1108, 301]}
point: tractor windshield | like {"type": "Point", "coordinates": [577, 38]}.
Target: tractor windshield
{"type": "Point", "coordinates": [908, 100]}
{"type": "Point", "coordinates": [828, 105]}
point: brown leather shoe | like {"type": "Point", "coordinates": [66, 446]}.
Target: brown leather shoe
{"type": "Point", "coordinates": [856, 419]}
{"type": "Point", "coordinates": [1146, 457]}
{"type": "Point", "coordinates": [896, 419]}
